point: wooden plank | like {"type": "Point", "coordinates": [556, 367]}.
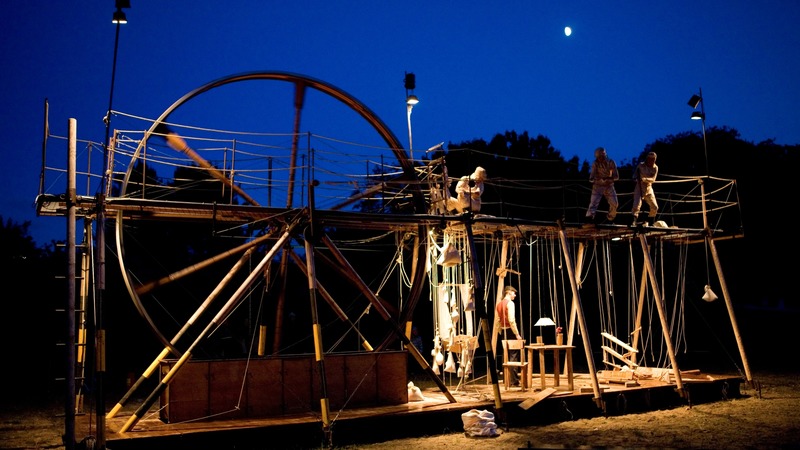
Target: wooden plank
{"type": "Point", "coordinates": [226, 382]}
{"type": "Point", "coordinates": [539, 396]}
{"type": "Point", "coordinates": [361, 381]}
{"type": "Point", "coordinates": [589, 389]}
{"type": "Point", "coordinates": [298, 388]}
{"type": "Point", "coordinates": [265, 387]}
{"type": "Point", "coordinates": [187, 397]}
{"type": "Point", "coordinates": [620, 357]}
{"type": "Point", "coordinates": [618, 342]}
{"type": "Point", "coordinates": [619, 376]}
{"type": "Point", "coordinates": [392, 371]}
{"type": "Point", "coordinates": [334, 379]}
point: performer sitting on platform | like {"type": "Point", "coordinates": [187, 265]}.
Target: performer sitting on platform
{"type": "Point", "coordinates": [468, 191]}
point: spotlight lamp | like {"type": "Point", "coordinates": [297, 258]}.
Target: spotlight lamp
{"type": "Point", "coordinates": [695, 100]}
{"type": "Point", "coordinates": [410, 82]}
{"type": "Point", "coordinates": [119, 15]}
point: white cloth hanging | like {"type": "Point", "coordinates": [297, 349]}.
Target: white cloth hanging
{"type": "Point", "coordinates": [450, 365]}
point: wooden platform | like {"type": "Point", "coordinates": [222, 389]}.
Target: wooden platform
{"type": "Point", "coordinates": [435, 415]}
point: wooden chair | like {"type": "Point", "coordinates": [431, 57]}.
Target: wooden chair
{"type": "Point", "coordinates": [518, 346]}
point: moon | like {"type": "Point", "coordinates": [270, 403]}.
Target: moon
{"type": "Point", "coordinates": [567, 31]}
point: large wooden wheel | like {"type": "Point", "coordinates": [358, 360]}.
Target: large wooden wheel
{"type": "Point", "coordinates": [197, 236]}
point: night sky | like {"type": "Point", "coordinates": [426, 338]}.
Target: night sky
{"type": "Point", "coordinates": [621, 80]}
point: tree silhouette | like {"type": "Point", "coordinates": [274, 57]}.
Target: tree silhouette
{"type": "Point", "coordinates": [36, 291]}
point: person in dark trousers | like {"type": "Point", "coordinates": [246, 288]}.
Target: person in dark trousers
{"type": "Point", "coordinates": [505, 323]}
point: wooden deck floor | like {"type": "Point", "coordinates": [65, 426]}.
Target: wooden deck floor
{"type": "Point", "coordinates": [434, 415]}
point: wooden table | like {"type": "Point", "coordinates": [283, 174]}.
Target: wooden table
{"type": "Point", "coordinates": [556, 349]}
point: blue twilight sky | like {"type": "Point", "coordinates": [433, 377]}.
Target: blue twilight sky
{"type": "Point", "coordinates": [622, 79]}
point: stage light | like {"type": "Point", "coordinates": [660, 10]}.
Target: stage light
{"type": "Point", "coordinates": [119, 17]}
{"type": "Point", "coordinates": [410, 82]}
{"type": "Point", "coordinates": [694, 101]}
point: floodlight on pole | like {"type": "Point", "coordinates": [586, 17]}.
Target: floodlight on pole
{"type": "Point", "coordinates": [410, 83]}
{"type": "Point", "coordinates": [118, 19]}
{"type": "Point", "coordinates": [694, 101]}
{"type": "Point", "coordinates": [119, 15]}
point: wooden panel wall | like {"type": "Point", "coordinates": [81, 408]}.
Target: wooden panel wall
{"type": "Point", "coordinates": [235, 389]}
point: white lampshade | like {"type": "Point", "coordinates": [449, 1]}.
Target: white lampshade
{"type": "Point", "coordinates": [544, 322]}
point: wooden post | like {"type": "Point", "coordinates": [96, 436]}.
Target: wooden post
{"type": "Point", "coordinates": [729, 305]}
{"type": "Point", "coordinates": [576, 305]}
{"type": "Point", "coordinates": [662, 315]}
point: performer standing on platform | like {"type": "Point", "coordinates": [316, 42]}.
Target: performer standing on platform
{"type": "Point", "coordinates": [643, 177]}
{"type": "Point", "coordinates": [603, 175]}
{"type": "Point", "coordinates": [505, 321]}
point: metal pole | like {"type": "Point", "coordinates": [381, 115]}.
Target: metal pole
{"type": "Point", "coordinates": [69, 401]}
{"type": "Point", "coordinates": [703, 120]}
{"type": "Point", "coordinates": [100, 269]}
{"type": "Point", "coordinates": [44, 145]}
{"type": "Point", "coordinates": [409, 107]}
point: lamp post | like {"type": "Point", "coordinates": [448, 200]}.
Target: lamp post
{"type": "Point", "coordinates": [701, 116]}
{"type": "Point", "coordinates": [117, 19]}
{"type": "Point", "coordinates": [411, 100]}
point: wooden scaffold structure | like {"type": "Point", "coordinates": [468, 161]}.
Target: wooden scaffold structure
{"type": "Point", "coordinates": [210, 234]}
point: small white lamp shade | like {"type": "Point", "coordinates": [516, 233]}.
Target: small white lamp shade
{"type": "Point", "coordinates": [544, 322]}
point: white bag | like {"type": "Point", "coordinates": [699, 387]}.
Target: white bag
{"type": "Point", "coordinates": [449, 257]}
{"type": "Point", "coordinates": [479, 423]}
{"type": "Point", "coordinates": [414, 393]}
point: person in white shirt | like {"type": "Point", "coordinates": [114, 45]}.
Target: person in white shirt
{"type": "Point", "coordinates": [643, 178]}
{"type": "Point", "coordinates": [468, 192]}
{"type": "Point", "coordinates": [505, 323]}
{"type": "Point", "coordinates": [603, 175]}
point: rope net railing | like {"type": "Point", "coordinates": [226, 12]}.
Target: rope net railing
{"type": "Point", "coordinates": [363, 177]}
